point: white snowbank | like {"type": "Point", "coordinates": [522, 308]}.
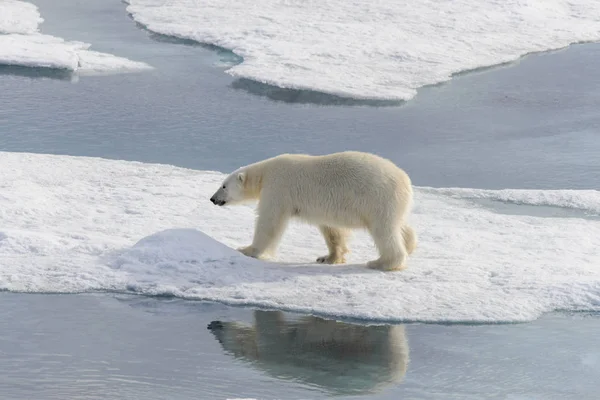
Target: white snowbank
{"type": "Point", "coordinates": [19, 17]}
{"type": "Point", "coordinates": [371, 49]}
{"type": "Point", "coordinates": [72, 224]}
{"type": "Point", "coordinates": [22, 44]}
{"type": "Point", "coordinates": [584, 200]}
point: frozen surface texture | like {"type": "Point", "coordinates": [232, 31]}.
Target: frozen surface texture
{"type": "Point", "coordinates": [76, 224]}
{"type": "Point", "coordinates": [21, 44]}
{"type": "Point", "coordinates": [371, 50]}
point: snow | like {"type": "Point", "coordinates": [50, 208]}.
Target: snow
{"type": "Point", "coordinates": [77, 224]}
{"type": "Point", "coordinates": [371, 50]}
{"type": "Point", "coordinates": [21, 44]}
{"type": "Point", "coordinates": [19, 17]}
{"type": "Point", "coordinates": [583, 200]}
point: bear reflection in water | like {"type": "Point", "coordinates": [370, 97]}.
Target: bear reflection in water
{"type": "Point", "coordinates": [339, 357]}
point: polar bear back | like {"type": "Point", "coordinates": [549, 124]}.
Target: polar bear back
{"type": "Point", "coordinates": [348, 189]}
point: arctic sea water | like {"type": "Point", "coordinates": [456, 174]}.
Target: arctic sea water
{"type": "Point", "coordinates": [528, 126]}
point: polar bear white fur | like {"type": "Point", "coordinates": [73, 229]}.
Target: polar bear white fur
{"type": "Point", "coordinates": [337, 192]}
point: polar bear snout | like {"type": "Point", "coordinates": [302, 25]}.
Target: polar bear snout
{"type": "Point", "coordinates": [217, 202]}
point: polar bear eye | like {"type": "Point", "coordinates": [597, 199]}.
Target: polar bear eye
{"type": "Point", "coordinates": [223, 186]}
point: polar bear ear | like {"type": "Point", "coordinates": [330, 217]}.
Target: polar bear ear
{"type": "Point", "coordinates": [241, 176]}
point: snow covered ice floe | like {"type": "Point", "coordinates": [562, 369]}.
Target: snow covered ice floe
{"type": "Point", "coordinates": [587, 201]}
{"type": "Point", "coordinates": [21, 44]}
{"type": "Point", "coordinates": [383, 50]}
{"type": "Point", "coordinates": [76, 224]}
{"type": "Point", "coordinates": [19, 17]}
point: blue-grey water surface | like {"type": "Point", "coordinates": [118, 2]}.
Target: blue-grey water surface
{"type": "Point", "coordinates": [533, 124]}
{"type": "Point", "coordinates": [127, 347]}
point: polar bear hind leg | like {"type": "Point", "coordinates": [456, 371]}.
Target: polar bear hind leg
{"type": "Point", "coordinates": [391, 245]}
{"type": "Point", "coordinates": [336, 239]}
{"type": "Point", "coordinates": [410, 238]}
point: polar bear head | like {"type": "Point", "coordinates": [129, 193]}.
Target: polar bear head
{"type": "Point", "coordinates": [232, 190]}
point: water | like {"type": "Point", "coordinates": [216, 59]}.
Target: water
{"type": "Point", "coordinates": [125, 347]}
{"type": "Point", "coordinates": [530, 125]}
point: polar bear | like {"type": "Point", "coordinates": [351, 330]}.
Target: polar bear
{"type": "Point", "coordinates": [346, 359]}
{"type": "Point", "coordinates": [337, 192]}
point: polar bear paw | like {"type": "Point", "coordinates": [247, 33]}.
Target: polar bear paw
{"type": "Point", "coordinates": [331, 259]}
{"type": "Point", "coordinates": [382, 265]}
{"type": "Point", "coordinates": [253, 252]}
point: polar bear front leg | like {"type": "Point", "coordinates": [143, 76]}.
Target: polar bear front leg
{"type": "Point", "coordinates": [336, 239]}
{"type": "Point", "coordinates": [251, 251]}
{"type": "Point", "coordinates": [270, 225]}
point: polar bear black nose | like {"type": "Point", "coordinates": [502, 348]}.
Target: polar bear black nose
{"type": "Point", "coordinates": [215, 325]}
{"type": "Point", "coordinates": [213, 200]}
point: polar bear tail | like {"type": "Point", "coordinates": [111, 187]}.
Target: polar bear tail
{"type": "Point", "coordinates": [410, 238]}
